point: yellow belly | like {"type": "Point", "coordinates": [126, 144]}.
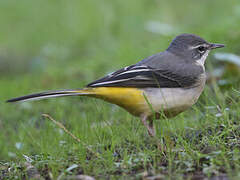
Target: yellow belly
{"type": "Point", "coordinates": [131, 99]}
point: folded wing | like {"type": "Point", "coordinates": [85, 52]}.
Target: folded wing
{"type": "Point", "coordinates": [142, 76]}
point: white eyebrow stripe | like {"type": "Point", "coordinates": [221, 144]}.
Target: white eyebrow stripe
{"type": "Point", "coordinates": [193, 47]}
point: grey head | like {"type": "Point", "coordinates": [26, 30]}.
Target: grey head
{"type": "Point", "coordinates": [192, 48]}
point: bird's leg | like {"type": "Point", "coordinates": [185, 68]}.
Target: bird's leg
{"type": "Point", "coordinates": [152, 127]}
{"type": "Point", "coordinates": [149, 126]}
{"type": "Point", "coordinates": [151, 131]}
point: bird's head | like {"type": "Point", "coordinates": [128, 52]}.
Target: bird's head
{"type": "Point", "coordinates": [192, 48]}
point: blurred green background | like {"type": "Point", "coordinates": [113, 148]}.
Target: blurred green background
{"type": "Point", "coordinates": [49, 44]}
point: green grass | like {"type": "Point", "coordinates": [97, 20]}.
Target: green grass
{"type": "Point", "coordinates": [64, 45]}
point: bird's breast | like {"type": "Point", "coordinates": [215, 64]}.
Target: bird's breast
{"type": "Point", "coordinates": [172, 101]}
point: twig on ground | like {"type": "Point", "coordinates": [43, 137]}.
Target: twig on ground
{"type": "Point", "coordinates": [60, 125]}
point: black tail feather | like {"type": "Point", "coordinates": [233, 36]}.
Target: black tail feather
{"type": "Point", "coordinates": [44, 95]}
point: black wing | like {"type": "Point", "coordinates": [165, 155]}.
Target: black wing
{"type": "Point", "coordinates": [142, 76]}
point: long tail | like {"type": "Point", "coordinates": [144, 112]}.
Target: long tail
{"type": "Point", "coordinates": [49, 94]}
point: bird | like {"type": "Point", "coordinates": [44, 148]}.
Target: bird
{"type": "Point", "coordinates": [161, 85]}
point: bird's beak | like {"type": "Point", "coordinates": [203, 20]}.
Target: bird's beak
{"type": "Point", "coordinates": [214, 46]}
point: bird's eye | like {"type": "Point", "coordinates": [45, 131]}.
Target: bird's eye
{"type": "Point", "coordinates": [201, 49]}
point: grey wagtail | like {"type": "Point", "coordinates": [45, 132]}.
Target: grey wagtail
{"type": "Point", "coordinates": [168, 82]}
